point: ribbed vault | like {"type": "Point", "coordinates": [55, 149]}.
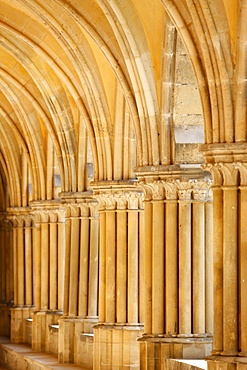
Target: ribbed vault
{"type": "Point", "coordinates": [78, 77]}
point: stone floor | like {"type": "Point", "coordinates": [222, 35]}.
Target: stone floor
{"type": "Point", "coordinates": [21, 357]}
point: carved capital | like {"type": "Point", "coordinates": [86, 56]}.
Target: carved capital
{"type": "Point", "coordinates": [118, 195]}
{"type": "Point", "coordinates": [229, 173]}
{"type": "Point", "coordinates": [217, 177]}
{"type": "Point", "coordinates": [171, 190]}
{"type": "Point", "coordinates": [184, 190]}
{"type": "Point", "coordinates": [242, 168]}
{"type": "Point", "coordinates": [202, 191]}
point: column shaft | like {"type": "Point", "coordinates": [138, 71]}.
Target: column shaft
{"type": "Point", "coordinates": [93, 267]}
{"type": "Point", "coordinates": [209, 268]}
{"type": "Point", "coordinates": [84, 263]}
{"type": "Point", "coordinates": [230, 278]}
{"type": "Point", "coordinates": [185, 268]}
{"type": "Point", "coordinates": [44, 265]}
{"type": "Point", "coordinates": [3, 266]}
{"type": "Point", "coordinates": [148, 268]}
{"type": "Point", "coordinates": [28, 266]}
{"type": "Point", "coordinates": [61, 264]}
{"type": "Point", "coordinates": [53, 278]}
{"type": "Point", "coordinates": [171, 268]}
{"type": "Point", "coordinates": [141, 267]}
{"type": "Point", "coordinates": [74, 266]}
{"type": "Point", "coordinates": [67, 266]}
{"type": "Point", "coordinates": [20, 267]}
{"type": "Point", "coordinates": [243, 271]}
{"type": "Point", "coordinates": [133, 307]}
{"type": "Point", "coordinates": [15, 259]}
{"type": "Point", "coordinates": [102, 268]}
{"type": "Point", "coordinates": [37, 267]}
{"type": "Point", "coordinates": [110, 267]}
{"type": "Point", "coordinates": [121, 266]}
{"type": "Point", "coordinates": [198, 267]}
{"type": "Point", "coordinates": [218, 269]}
{"type": "Point", "coordinates": [158, 268]}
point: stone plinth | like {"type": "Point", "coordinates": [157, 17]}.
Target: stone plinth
{"type": "Point", "coordinates": [116, 347]}
{"type": "Point", "coordinates": [4, 320]}
{"type": "Point", "coordinates": [43, 337]}
{"type": "Point", "coordinates": [155, 350]}
{"type": "Point", "coordinates": [18, 323]}
{"type": "Point", "coordinates": [226, 362]}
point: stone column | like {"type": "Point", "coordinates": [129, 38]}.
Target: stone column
{"type": "Point", "coordinates": [115, 337]}
{"type": "Point", "coordinates": [22, 271]}
{"type": "Point", "coordinates": [175, 209]}
{"type": "Point", "coordinates": [6, 273]}
{"type": "Point", "coordinates": [81, 274]}
{"type": "Point", "coordinates": [228, 165]}
{"type": "Point", "coordinates": [45, 272]}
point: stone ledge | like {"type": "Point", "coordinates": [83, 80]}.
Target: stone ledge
{"type": "Point", "coordinates": [21, 354]}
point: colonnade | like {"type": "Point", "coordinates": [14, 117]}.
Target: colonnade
{"type": "Point", "coordinates": [131, 265]}
{"type": "Point", "coordinates": [54, 256]}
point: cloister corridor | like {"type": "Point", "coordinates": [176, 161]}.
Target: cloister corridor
{"type": "Point", "coordinates": [123, 184]}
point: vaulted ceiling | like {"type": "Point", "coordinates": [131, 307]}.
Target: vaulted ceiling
{"type": "Point", "coordinates": [82, 83]}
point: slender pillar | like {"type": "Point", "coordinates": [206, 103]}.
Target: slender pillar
{"type": "Point", "coordinates": [28, 263]}
{"type": "Point", "coordinates": [230, 277]}
{"type": "Point", "coordinates": [74, 261]}
{"type": "Point", "coordinates": [15, 264]}
{"type": "Point", "coordinates": [171, 260]}
{"type": "Point", "coordinates": [102, 267]}
{"type": "Point", "coordinates": [185, 264]}
{"type": "Point", "coordinates": [37, 262]}
{"type": "Point", "coordinates": [93, 262]}
{"type": "Point", "coordinates": [44, 236]}
{"type": "Point", "coordinates": [148, 313]}
{"type": "Point", "coordinates": [141, 242]}
{"type": "Point", "coordinates": [53, 262]}
{"type": "Point", "coordinates": [110, 296]}
{"type": "Point", "coordinates": [67, 261]}
{"type": "Point", "coordinates": [61, 257]}
{"type": "Point", "coordinates": [121, 266]}
{"type": "Point", "coordinates": [133, 261]}
{"type": "Point", "coordinates": [158, 267]}
{"type": "Point", "coordinates": [198, 265]}
{"type": "Point", "coordinates": [209, 293]}
{"type": "Point", "coordinates": [84, 263]}
{"type": "Point", "coordinates": [243, 268]}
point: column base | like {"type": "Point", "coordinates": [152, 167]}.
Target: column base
{"type": "Point", "coordinates": [76, 340]}
{"type": "Point", "coordinates": [45, 332]}
{"type": "Point", "coordinates": [116, 346]}
{"type": "Point", "coordinates": [226, 362]}
{"type": "Point", "coordinates": [4, 320]}
{"type": "Point", "coordinates": [20, 329]}
{"type": "Point", "coordinates": [154, 350]}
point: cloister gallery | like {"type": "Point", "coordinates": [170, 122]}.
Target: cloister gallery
{"type": "Point", "coordinates": [123, 183]}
